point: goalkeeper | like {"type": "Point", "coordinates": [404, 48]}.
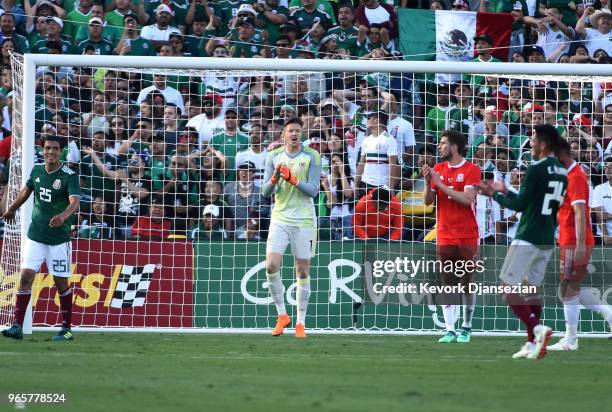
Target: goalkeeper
{"type": "Point", "coordinates": [292, 174]}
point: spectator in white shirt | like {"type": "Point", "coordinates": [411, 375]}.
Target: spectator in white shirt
{"type": "Point", "coordinates": [159, 33]}
{"type": "Point", "coordinates": [598, 37]}
{"type": "Point", "coordinates": [256, 153]}
{"type": "Point", "coordinates": [170, 93]}
{"type": "Point", "coordinates": [211, 122]}
{"type": "Point", "coordinates": [554, 37]}
{"type": "Point", "coordinates": [378, 165]}
{"type": "Point", "coordinates": [602, 206]}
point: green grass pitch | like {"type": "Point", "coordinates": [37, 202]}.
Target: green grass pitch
{"type": "Point", "coordinates": [172, 372]}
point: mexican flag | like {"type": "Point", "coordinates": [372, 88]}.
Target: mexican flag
{"type": "Point", "coordinates": [446, 35]}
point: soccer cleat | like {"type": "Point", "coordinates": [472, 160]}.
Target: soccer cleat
{"type": "Point", "coordinates": [526, 349]}
{"type": "Point", "coordinates": [464, 336]}
{"type": "Point", "coordinates": [64, 334]}
{"type": "Point", "coordinates": [542, 337]}
{"type": "Point", "coordinates": [563, 345]}
{"type": "Point", "coordinates": [281, 323]}
{"type": "Point", "coordinates": [15, 332]}
{"type": "Point", "coordinates": [450, 337]}
{"type": "Point", "coordinates": [299, 331]}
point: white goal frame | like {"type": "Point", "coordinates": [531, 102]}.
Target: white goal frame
{"type": "Point", "coordinates": [32, 61]}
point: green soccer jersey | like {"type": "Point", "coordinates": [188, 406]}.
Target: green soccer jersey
{"type": "Point", "coordinates": [141, 47]}
{"type": "Point", "coordinates": [101, 48]}
{"type": "Point", "coordinates": [112, 34]}
{"type": "Point", "coordinates": [459, 119]}
{"type": "Point", "coordinates": [229, 146]}
{"type": "Point", "coordinates": [41, 46]}
{"type": "Point", "coordinates": [93, 179]}
{"type": "Point", "coordinates": [541, 194]}
{"type": "Point", "coordinates": [291, 205]}
{"type": "Point", "coordinates": [435, 123]}
{"type": "Point", "coordinates": [227, 11]}
{"type": "Point", "coordinates": [51, 197]}
{"type": "Point", "coordinates": [346, 39]}
{"type": "Point", "coordinates": [273, 29]}
{"type": "Point", "coordinates": [75, 20]}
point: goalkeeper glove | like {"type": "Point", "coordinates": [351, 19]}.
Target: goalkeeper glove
{"type": "Point", "coordinates": [288, 176]}
{"type": "Point", "coordinates": [276, 176]}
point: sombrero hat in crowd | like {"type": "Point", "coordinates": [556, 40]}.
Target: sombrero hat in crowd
{"type": "Point", "coordinates": [594, 18]}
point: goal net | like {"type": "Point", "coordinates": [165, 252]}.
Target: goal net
{"type": "Point", "coordinates": [172, 229]}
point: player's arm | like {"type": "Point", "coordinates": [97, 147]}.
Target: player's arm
{"type": "Point", "coordinates": [73, 206]}
{"type": "Point", "coordinates": [394, 172]}
{"type": "Point", "coordinates": [516, 201]}
{"type": "Point", "coordinates": [580, 220]}
{"type": "Point", "coordinates": [271, 177]}
{"type": "Point", "coordinates": [466, 198]}
{"type": "Point", "coordinates": [22, 197]}
{"type": "Point", "coordinates": [430, 194]}
{"type": "Point", "coordinates": [311, 186]}
{"type": "Point", "coordinates": [359, 171]}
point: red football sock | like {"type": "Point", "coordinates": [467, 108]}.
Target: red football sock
{"type": "Point", "coordinates": [66, 306]}
{"type": "Point", "coordinates": [523, 311]}
{"type": "Point", "coordinates": [23, 298]}
{"type": "Point", "coordinates": [537, 311]}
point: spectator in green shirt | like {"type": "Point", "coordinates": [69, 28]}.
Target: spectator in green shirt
{"type": "Point", "coordinates": [77, 18]}
{"type": "Point", "coordinates": [231, 141]}
{"type": "Point", "coordinates": [54, 28]}
{"type": "Point", "coordinates": [109, 32]}
{"type": "Point", "coordinates": [100, 45]}
{"type": "Point", "coordinates": [245, 45]}
{"type": "Point", "coordinates": [346, 32]}
{"type": "Point", "coordinates": [131, 44]}
{"type": "Point", "coordinates": [271, 16]}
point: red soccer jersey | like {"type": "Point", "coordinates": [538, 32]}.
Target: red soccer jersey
{"type": "Point", "coordinates": [454, 220]}
{"type": "Point", "coordinates": [577, 192]}
{"type": "Point", "coordinates": [149, 230]}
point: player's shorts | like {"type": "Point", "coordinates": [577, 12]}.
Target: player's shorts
{"type": "Point", "coordinates": [58, 257]}
{"type": "Point", "coordinates": [525, 261]}
{"type": "Point", "coordinates": [303, 240]}
{"type": "Point", "coordinates": [459, 251]}
{"type": "Point", "coordinates": [571, 269]}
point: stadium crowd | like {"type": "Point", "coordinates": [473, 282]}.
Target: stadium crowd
{"type": "Point", "coordinates": [181, 154]}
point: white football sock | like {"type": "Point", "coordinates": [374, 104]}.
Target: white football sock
{"type": "Point", "coordinates": [302, 294]}
{"type": "Point", "coordinates": [592, 302]}
{"type": "Point", "coordinates": [449, 317]}
{"type": "Point", "coordinates": [469, 303]}
{"type": "Point", "coordinates": [571, 311]}
{"type": "Point", "coordinates": [277, 291]}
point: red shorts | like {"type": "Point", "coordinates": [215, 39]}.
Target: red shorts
{"type": "Point", "coordinates": [458, 249]}
{"type": "Point", "coordinates": [571, 269]}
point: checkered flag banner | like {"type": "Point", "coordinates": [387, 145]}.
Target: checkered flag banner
{"type": "Point", "coordinates": [132, 286]}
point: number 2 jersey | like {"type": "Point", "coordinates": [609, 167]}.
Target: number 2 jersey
{"type": "Point", "coordinates": [540, 196]}
{"type": "Point", "coordinates": [51, 197]}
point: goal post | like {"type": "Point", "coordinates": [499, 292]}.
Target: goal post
{"type": "Point", "coordinates": [174, 284]}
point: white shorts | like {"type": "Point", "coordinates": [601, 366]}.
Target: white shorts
{"type": "Point", "coordinates": [303, 240]}
{"type": "Point", "coordinates": [525, 261]}
{"type": "Point", "coordinates": [58, 257]}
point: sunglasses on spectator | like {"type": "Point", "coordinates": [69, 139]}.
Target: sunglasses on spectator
{"type": "Point", "coordinates": [208, 103]}
{"type": "Point", "coordinates": [231, 117]}
{"type": "Point", "coordinates": [282, 44]}
{"type": "Point", "coordinates": [129, 21]}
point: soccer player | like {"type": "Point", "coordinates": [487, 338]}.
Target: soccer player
{"type": "Point", "coordinates": [452, 185]}
{"type": "Point", "coordinates": [292, 174]}
{"type": "Point", "coordinates": [576, 242]}
{"type": "Point", "coordinates": [56, 198]}
{"type": "Point", "coordinates": [540, 196]}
